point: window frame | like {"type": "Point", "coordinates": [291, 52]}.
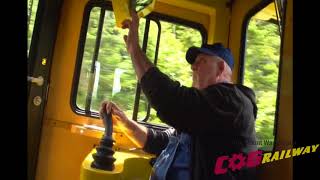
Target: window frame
{"type": "Point", "coordinates": [80, 53]}
{"type": "Point", "coordinates": [154, 16]}
{"type": "Point", "coordinates": [245, 24]}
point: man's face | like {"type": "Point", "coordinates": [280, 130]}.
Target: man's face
{"type": "Point", "coordinates": [204, 69]}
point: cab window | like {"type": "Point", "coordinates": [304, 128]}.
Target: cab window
{"type": "Point", "coordinates": [104, 68]}
{"type": "Point", "coordinates": [261, 70]}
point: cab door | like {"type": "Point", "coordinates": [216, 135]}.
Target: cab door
{"type": "Point", "coordinates": [43, 17]}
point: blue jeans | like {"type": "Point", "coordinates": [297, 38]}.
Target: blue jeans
{"type": "Point", "coordinates": [174, 160]}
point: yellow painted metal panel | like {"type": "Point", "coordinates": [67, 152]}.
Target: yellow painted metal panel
{"type": "Point", "coordinates": [267, 13]}
{"type": "Point", "coordinates": [58, 106]}
{"type": "Point", "coordinates": [208, 16]}
{"type": "Point", "coordinates": [61, 153]}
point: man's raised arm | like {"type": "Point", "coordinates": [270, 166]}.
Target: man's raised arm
{"type": "Point", "coordinates": [140, 61]}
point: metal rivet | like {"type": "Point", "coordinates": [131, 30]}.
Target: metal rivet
{"type": "Point", "coordinates": [37, 100]}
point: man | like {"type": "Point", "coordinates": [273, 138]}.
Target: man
{"type": "Point", "coordinates": [211, 119]}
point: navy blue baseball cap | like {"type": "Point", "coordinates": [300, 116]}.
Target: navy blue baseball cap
{"type": "Point", "coordinates": [216, 49]}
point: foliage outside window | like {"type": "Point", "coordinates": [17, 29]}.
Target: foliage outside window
{"type": "Point", "coordinates": [32, 11]}
{"type": "Point", "coordinates": [114, 76]}
{"type": "Point", "coordinates": [262, 56]}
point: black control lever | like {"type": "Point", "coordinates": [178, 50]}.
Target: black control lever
{"type": "Point", "coordinates": [103, 158]}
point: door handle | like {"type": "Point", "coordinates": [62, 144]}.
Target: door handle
{"type": "Point", "coordinates": [38, 81]}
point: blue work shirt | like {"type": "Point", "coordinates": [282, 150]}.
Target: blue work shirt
{"type": "Point", "coordinates": [174, 161]}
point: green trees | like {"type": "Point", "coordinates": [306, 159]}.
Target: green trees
{"type": "Point", "coordinates": [32, 10]}
{"type": "Point", "coordinates": [261, 73]}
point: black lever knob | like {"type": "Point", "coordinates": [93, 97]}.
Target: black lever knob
{"type": "Point", "coordinates": [103, 158]}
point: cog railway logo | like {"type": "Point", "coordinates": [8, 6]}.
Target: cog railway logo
{"type": "Point", "coordinates": [239, 161]}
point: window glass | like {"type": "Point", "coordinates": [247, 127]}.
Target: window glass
{"type": "Point", "coordinates": [261, 70]}
{"type": "Point", "coordinates": [113, 77]}
{"type": "Point", "coordinates": [32, 11]}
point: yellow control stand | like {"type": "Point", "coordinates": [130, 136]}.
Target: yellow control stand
{"type": "Point", "coordinates": [128, 166]}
